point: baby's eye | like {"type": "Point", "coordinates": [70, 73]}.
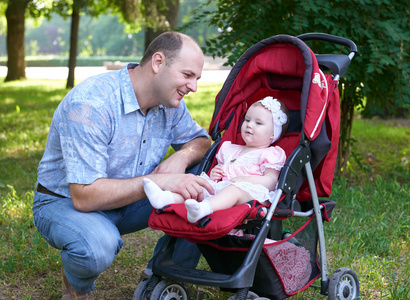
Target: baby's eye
{"type": "Point", "coordinates": [258, 123]}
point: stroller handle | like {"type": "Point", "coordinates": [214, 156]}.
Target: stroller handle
{"type": "Point", "coordinates": [317, 36]}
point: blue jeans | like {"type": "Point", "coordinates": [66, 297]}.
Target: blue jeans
{"type": "Point", "coordinates": [89, 242]}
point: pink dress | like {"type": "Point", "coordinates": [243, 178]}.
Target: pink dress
{"type": "Point", "coordinates": [254, 162]}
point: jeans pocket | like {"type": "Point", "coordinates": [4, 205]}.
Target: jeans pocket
{"type": "Point", "coordinates": [42, 224]}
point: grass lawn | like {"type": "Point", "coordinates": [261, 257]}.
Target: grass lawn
{"type": "Point", "coordinates": [369, 231]}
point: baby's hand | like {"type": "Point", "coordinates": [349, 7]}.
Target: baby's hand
{"type": "Point", "coordinates": [217, 173]}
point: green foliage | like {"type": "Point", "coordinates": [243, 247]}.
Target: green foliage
{"type": "Point", "coordinates": [44, 36]}
{"type": "Point", "coordinates": [380, 29]}
{"type": "Point", "coordinates": [201, 31]}
{"type": "Point", "coordinates": [52, 37]}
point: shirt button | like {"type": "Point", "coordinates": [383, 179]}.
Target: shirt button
{"type": "Point", "coordinates": [140, 163]}
{"type": "Point", "coordinates": [144, 141]}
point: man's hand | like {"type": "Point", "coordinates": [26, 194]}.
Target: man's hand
{"type": "Point", "coordinates": [189, 186]}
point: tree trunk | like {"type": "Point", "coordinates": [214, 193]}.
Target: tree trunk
{"type": "Point", "coordinates": [72, 61]}
{"type": "Point", "coordinates": [171, 14]}
{"type": "Point", "coordinates": [346, 124]}
{"type": "Point", "coordinates": [16, 64]}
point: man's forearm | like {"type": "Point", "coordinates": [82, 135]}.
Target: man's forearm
{"type": "Point", "coordinates": [194, 150]}
{"type": "Point", "coordinates": [106, 193]}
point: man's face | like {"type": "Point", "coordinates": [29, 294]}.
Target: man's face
{"type": "Point", "coordinates": [177, 79]}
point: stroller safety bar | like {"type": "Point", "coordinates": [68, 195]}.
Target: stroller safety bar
{"type": "Point", "coordinates": [305, 214]}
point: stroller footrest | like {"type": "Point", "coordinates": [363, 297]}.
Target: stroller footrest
{"type": "Point", "coordinates": [201, 277]}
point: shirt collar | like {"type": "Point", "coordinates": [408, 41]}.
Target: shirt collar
{"type": "Point", "coordinates": [128, 95]}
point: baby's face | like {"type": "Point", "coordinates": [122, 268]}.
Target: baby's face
{"type": "Point", "coordinates": [257, 128]}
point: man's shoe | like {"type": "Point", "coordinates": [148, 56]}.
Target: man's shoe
{"type": "Point", "coordinates": [70, 294]}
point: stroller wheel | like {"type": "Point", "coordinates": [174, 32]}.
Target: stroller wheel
{"type": "Point", "coordinates": [167, 290]}
{"type": "Point", "coordinates": [344, 285]}
{"type": "Point", "coordinates": [141, 292]}
{"type": "Point", "coordinates": [250, 296]}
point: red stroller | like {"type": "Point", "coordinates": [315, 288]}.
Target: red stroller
{"type": "Point", "coordinates": [264, 262]}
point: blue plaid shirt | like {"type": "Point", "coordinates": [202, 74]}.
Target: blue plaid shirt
{"type": "Point", "coordinates": [99, 131]}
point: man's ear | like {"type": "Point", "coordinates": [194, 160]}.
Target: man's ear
{"type": "Point", "coordinates": [157, 61]}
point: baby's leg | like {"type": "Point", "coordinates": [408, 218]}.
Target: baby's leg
{"type": "Point", "coordinates": [197, 210]}
{"type": "Point", "coordinates": [229, 197]}
{"type": "Point", "coordinates": [226, 198]}
{"type": "Point", "coordinates": [157, 197]}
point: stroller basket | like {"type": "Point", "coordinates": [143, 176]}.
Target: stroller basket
{"type": "Point", "coordinates": [284, 267]}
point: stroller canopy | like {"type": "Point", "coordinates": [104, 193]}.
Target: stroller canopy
{"type": "Point", "coordinates": [281, 66]}
{"type": "Point", "coordinates": [285, 68]}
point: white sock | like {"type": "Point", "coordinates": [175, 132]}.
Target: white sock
{"type": "Point", "coordinates": [156, 196]}
{"type": "Point", "coordinates": [197, 210]}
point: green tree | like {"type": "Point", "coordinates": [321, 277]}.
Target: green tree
{"type": "Point", "coordinates": [154, 16]}
{"type": "Point", "coordinates": [52, 37]}
{"type": "Point", "coordinates": [160, 16]}
{"type": "Point", "coordinates": [378, 78]}
{"type": "Point", "coordinates": [15, 15]}
{"type": "Point", "coordinates": [73, 9]}
{"type": "Point", "coordinates": [201, 32]}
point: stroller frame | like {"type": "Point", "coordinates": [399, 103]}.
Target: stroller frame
{"type": "Point", "coordinates": [242, 279]}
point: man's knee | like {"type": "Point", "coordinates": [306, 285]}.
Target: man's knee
{"type": "Point", "coordinates": [90, 257]}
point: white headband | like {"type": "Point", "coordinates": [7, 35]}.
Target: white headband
{"type": "Point", "coordinates": [279, 117]}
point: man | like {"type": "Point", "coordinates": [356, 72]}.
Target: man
{"type": "Point", "coordinates": [108, 133]}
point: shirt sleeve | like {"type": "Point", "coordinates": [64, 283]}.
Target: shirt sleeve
{"type": "Point", "coordinates": [85, 134]}
{"type": "Point", "coordinates": [272, 157]}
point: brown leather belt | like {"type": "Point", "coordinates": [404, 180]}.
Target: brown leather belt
{"type": "Point", "coordinates": [44, 190]}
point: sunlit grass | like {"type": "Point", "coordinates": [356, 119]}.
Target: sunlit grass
{"type": "Point", "coordinates": [379, 147]}
{"type": "Point", "coordinates": [369, 230]}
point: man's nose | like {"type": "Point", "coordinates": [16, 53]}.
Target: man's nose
{"type": "Point", "coordinates": [193, 85]}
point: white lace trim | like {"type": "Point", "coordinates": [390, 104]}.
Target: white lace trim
{"type": "Point", "coordinates": [270, 166]}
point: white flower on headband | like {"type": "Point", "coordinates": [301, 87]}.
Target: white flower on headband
{"type": "Point", "coordinates": [279, 117]}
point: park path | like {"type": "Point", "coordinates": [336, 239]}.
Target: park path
{"type": "Point", "coordinates": [213, 72]}
{"type": "Point", "coordinates": [85, 72]}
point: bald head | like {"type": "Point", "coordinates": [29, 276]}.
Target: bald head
{"type": "Point", "coordinates": [170, 43]}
